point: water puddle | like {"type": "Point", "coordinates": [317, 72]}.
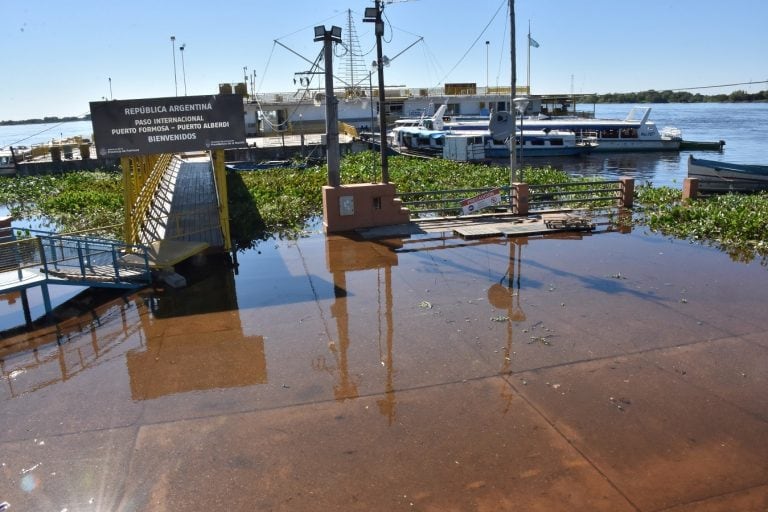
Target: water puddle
{"type": "Point", "coordinates": [448, 343]}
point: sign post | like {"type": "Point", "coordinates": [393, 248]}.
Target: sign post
{"type": "Point", "coordinates": [143, 132]}
{"type": "Point", "coordinates": [168, 125]}
{"type": "Point", "coordinates": [480, 201]}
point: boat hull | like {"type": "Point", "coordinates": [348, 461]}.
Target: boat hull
{"type": "Point", "coordinates": [503, 152]}
{"type": "Point", "coordinates": [618, 146]}
{"type": "Point", "coordinates": [717, 176]}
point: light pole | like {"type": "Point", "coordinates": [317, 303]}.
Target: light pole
{"type": "Point", "coordinates": [301, 131]}
{"type": "Point", "coordinates": [110, 89]}
{"type": "Point", "coordinates": [521, 103]}
{"type": "Point", "coordinates": [331, 103]}
{"type": "Point", "coordinates": [183, 68]}
{"type": "Point", "coordinates": [373, 122]}
{"type": "Point", "coordinates": [373, 15]}
{"type": "Point", "coordinates": [245, 80]}
{"type": "Point", "coordinates": [175, 81]}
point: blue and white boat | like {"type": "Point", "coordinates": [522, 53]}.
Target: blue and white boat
{"type": "Point", "coordinates": [633, 133]}
{"type": "Point", "coordinates": [432, 137]}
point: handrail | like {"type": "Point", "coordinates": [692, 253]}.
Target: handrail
{"type": "Point", "coordinates": [541, 197]}
{"type": "Point", "coordinates": [140, 208]}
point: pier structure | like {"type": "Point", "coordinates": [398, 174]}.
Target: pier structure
{"type": "Point", "coordinates": [175, 208]}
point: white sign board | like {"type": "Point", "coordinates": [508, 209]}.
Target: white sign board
{"type": "Point", "coordinates": [484, 200]}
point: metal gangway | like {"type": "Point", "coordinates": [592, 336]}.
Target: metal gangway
{"type": "Point", "coordinates": [175, 207]}
{"type": "Point", "coordinates": [42, 259]}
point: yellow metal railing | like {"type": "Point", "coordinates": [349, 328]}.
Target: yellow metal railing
{"type": "Point", "coordinates": [220, 179]}
{"type": "Point", "coordinates": [141, 178]}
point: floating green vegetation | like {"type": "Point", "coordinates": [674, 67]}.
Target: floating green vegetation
{"type": "Point", "coordinates": [73, 201]}
{"type": "Point", "coordinates": [735, 223]}
{"type": "Point", "coordinates": [283, 202]}
{"type": "Point", "coordinates": [286, 199]}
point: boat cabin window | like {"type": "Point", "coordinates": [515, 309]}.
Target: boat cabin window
{"type": "Point", "coordinates": [555, 142]}
{"type": "Point", "coordinates": [610, 134]}
{"type": "Point", "coordinates": [536, 142]}
{"type": "Point", "coordinates": [628, 133]}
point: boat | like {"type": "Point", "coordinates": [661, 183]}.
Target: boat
{"type": "Point", "coordinates": [702, 145]}
{"type": "Point", "coordinates": [633, 133]}
{"type": "Point", "coordinates": [717, 176]}
{"type": "Point", "coordinates": [481, 146]}
{"type": "Point", "coordinates": [7, 163]}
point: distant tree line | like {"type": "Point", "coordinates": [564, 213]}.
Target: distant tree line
{"type": "Point", "coordinates": [50, 119]}
{"type": "Point", "coordinates": [652, 96]}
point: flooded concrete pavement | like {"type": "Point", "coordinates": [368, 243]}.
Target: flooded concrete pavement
{"type": "Point", "coordinates": [610, 372]}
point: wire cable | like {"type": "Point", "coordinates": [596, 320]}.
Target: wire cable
{"type": "Point", "coordinates": [480, 35]}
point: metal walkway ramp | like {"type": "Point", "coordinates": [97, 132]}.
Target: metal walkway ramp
{"type": "Point", "coordinates": [179, 209]}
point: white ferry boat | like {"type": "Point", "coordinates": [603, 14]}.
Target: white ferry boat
{"type": "Point", "coordinates": [633, 133]}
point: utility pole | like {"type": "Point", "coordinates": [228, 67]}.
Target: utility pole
{"type": "Point", "coordinates": [513, 172]}
{"type": "Point", "coordinates": [373, 15]}
{"type": "Point", "coordinates": [331, 106]}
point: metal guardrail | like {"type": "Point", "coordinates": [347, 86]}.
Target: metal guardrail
{"type": "Point", "coordinates": [139, 206]}
{"type": "Point", "coordinates": [94, 261]}
{"type": "Point", "coordinates": [76, 260]}
{"type": "Point", "coordinates": [551, 197]}
{"type": "Point", "coordinates": [546, 197]}
{"type": "Point", "coordinates": [441, 203]}
{"type": "Point", "coordinates": [21, 255]}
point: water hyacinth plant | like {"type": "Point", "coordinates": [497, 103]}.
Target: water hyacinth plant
{"type": "Point", "coordinates": [284, 202]}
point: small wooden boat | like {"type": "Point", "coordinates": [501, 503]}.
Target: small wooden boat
{"type": "Point", "coordinates": [717, 176]}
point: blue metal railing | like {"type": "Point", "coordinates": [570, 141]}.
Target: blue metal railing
{"type": "Point", "coordinates": [90, 261]}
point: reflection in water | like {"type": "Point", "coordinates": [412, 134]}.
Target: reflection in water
{"type": "Point", "coordinates": [177, 341]}
{"type": "Point", "coordinates": [48, 356]}
{"type": "Point", "coordinates": [345, 255]}
{"type": "Point", "coordinates": [174, 341]}
{"type": "Point", "coordinates": [507, 298]}
{"type": "Point", "coordinates": [659, 168]}
{"type": "Point", "coordinates": [195, 340]}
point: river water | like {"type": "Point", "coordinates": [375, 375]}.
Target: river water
{"type": "Point", "coordinates": [743, 127]}
{"type": "Point", "coordinates": [615, 370]}
{"type": "Point", "coordinates": [29, 134]}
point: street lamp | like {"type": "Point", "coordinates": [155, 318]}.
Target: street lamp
{"type": "Point", "coordinates": [183, 68]}
{"type": "Point", "coordinates": [331, 103]}
{"type": "Point", "coordinates": [521, 103]}
{"type": "Point", "coordinates": [373, 15]}
{"type": "Point", "coordinates": [173, 49]}
{"type": "Point", "coordinates": [245, 80]}
{"type": "Point", "coordinates": [110, 89]}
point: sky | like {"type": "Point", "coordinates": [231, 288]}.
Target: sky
{"type": "Point", "coordinates": [58, 56]}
